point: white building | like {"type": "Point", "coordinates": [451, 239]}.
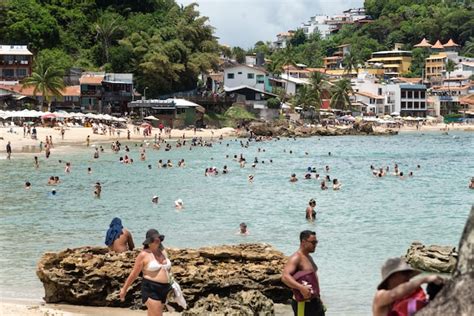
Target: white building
{"type": "Point", "coordinates": [289, 83]}
{"type": "Point", "coordinates": [238, 75]}
{"type": "Point", "coordinates": [383, 99]}
{"type": "Point", "coordinates": [316, 23]}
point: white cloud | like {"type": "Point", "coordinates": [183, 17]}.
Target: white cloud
{"type": "Point", "coordinates": [244, 22]}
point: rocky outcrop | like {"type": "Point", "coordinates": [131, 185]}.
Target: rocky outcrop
{"type": "Point", "coordinates": [432, 258]}
{"type": "Point", "coordinates": [456, 297]}
{"type": "Point", "coordinates": [94, 276]}
{"type": "Point", "coordinates": [243, 303]}
{"type": "Point", "coordinates": [284, 130]}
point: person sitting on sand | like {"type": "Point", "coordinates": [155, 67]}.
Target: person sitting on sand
{"type": "Point", "coordinates": [243, 231]}
{"type": "Point", "coordinates": [310, 210]}
{"type": "Point", "coordinates": [336, 185]}
{"type": "Point", "coordinates": [293, 178]}
{"type": "Point", "coordinates": [117, 238]}
{"type": "Point", "coordinates": [155, 267]}
{"type": "Point", "coordinates": [398, 293]}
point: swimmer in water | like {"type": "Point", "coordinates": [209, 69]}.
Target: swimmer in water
{"type": "Point", "coordinates": [36, 162]}
{"type": "Point", "coordinates": [225, 170]}
{"type": "Point", "coordinates": [68, 167]}
{"type": "Point", "coordinates": [178, 204]}
{"type": "Point", "coordinates": [471, 185]}
{"type": "Point", "coordinates": [27, 185]}
{"type": "Point", "coordinates": [154, 199]}
{"type": "Point", "coordinates": [89, 170]}
{"type": "Point", "coordinates": [250, 178]}
{"type": "Point", "coordinates": [51, 181]}
{"type": "Point", "coordinates": [310, 210]}
{"type": "Point", "coordinates": [323, 185]}
{"type": "Point", "coordinates": [97, 190]}
{"type": "Point", "coordinates": [293, 178]}
{"type": "Point", "coordinates": [53, 192]}
{"type": "Point", "coordinates": [243, 231]}
{"type": "Point", "coordinates": [336, 185]}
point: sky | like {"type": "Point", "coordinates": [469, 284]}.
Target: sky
{"type": "Point", "coordinates": [245, 22]}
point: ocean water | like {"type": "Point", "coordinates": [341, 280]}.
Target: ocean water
{"type": "Point", "coordinates": [358, 227]}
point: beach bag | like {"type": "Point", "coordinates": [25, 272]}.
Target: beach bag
{"type": "Point", "coordinates": [177, 293]}
{"type": "Point", "coordinates": [307, 278]}
{"type": "Point", "coordinates": [409, 305]}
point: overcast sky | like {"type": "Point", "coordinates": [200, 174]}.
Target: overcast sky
{"type": "Point", "coordinates": [244, 22]}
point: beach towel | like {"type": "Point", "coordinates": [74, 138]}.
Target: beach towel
{"type": "Point", "coordinates": [114, 231]}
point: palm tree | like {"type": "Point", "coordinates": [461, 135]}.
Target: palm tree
{"type": "Point", "coordinates": [318, 84]}
{"type": "Point", "coordinates": [450, 68]}
{"type": "Point", "coordinates": [340, 94]}
{"type": "Point", "coordinates": [107, 27]}
{"type": "Point", "coordinates": [47, 80]}
{"type": "Point", "coordinates": [351, 62]}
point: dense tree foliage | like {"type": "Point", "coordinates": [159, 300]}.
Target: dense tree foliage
{"type": "Point", "coordinates": [164, 44]}
{"type": "Point", "coordinates": [395, 21]}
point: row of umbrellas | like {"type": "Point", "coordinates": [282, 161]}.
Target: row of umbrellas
{"type": "Point", "coordinates": [59, 114]}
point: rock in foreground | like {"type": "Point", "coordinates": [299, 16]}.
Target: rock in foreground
{"type": "Point", "coordinates": [93, 276]}
{"type": "Point", "coordinates": [432, 258]}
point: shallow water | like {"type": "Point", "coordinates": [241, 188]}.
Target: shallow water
{"type": "Point", "coordinates": [358, 227]}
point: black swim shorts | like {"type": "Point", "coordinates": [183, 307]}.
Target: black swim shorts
{"type": "Point", "coordinates": [154, 290]}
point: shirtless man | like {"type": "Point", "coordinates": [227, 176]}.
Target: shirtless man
{"type": "Point", "coordinates": [302, 261]}
{"type": "Point", "coordinates": [118, 239]}
{"type": "Point", "coordinates": [398, 286]}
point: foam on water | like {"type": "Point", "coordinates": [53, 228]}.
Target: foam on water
{"type": "Point", "coordinates": [358, 227]}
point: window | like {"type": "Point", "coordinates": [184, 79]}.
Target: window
{"type": "Point", "coordinates": [250, 76]}
{"type": "Point", "coordinates": [422, 94]}
{"type": "Point", "coordinates": [230, 76]}
{"type": "Point", "coordinates": [8, 73]}
{"type": "Point", "coordinates": [416, 105]}
{"type": "Point", "coordinates": [416, 95]}
{"type": "Point", "coordinates": [372, 101]}
{"type": "Point", "coordinates": [410, 94]}
{"type": "Point", "coordinates": [404, 93]}
{"type": "Point", "coordinates": [239, 73]}
{"type": "Point", "coordinates": [21, 72]}
{"type": "Point", "coordinates": [410, 105]}
{"type": "Point", "coordinates": [404, 105]}
{"type": "Point", "coordinates": [423, 105]}
{"type": "Point", "coordinates": [380, 91]}
{"type": "Point", "coordinates": [260, 79]}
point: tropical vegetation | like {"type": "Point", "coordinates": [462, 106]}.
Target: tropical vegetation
{"type": "Point", "coordinates": [164, 44]}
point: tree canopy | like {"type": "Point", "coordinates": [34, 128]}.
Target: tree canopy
{"type": "Point", "coordinates": [164, 44]}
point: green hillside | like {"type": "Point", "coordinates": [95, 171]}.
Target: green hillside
{"type": "Point", "coordinates": [165, 45]}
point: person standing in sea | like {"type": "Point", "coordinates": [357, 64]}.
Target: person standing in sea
{"type": "Point", "coordinates": [300, 275]}
{"type": "Point", "coordinates": [310, 210]}
{"type": "Point", "coordinates": [117, 238]}
{"type": "Point", "coordinates": [9, 150]}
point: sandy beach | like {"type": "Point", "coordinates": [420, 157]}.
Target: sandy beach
{"type": "Point", "coordinates": [29, 308]}
{"type": "Point", "coordinates": [78, 136]}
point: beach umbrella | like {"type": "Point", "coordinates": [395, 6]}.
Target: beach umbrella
{"type": "Point", "coordinates": [145, 125]}
{"type": "Point", "coordinates": [152, 118]}
{"type": "Point", "coordinates": [121, 119]}
{"type": "Point", "coordinates": [395, 114]}
{"type": "Point", "coordinates": [78, 114]}
{"type": "Point", "coordinates": [49, 116]}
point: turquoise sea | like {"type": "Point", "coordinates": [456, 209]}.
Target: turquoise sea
{"type": "Point", "coordinates": [361, 225]}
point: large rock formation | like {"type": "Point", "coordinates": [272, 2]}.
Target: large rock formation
{"type": "Point", "coordinates": [243, 303]}
{"type": "Point", "coordinates": [94, 276]}
{"type": "Point", "coordinates": [432, 258]}
{"type": "Point", "coordinates": [284, 130]}
{"type": "Point", "coordinates": [456, 297]}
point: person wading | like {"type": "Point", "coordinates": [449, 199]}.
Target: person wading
{"type": "Point", "coordinates": [300, 274]}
